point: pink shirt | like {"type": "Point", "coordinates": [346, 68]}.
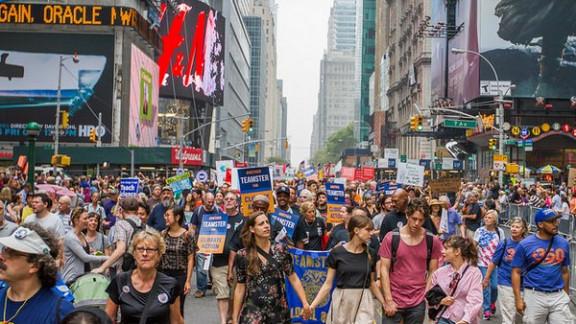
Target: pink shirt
{"type": "Point", "coordinates": [408, 280]}
{"type": "Point", "coordinates": [468, 296]}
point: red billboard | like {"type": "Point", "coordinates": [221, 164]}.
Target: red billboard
{"type": "Point", "coordinates": [190, 156]}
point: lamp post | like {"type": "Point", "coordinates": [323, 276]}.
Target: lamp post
{"type": "Point", "coordinates": [499, 111]}
{"type": "Point", "coordinates": [32, 130]}
{"type": "Point", "coordinates": [58, 95]}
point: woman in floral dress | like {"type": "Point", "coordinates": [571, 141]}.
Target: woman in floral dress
{"type": "Point", "coordinates": [260, 296]}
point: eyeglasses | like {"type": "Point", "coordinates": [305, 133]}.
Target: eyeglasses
{"type": "Point", "coordinates": [11, 253]}
{"type": "Point", "coordinates": [141, 250]}
{"type": "Point", "coordinates": [260, 208]}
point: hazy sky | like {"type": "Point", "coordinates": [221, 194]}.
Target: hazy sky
{"type": "Point", "coordinates": [302, 36]}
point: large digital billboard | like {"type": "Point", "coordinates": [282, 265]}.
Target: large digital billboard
{"type": "Point", "coordinates": [143, 123]}
{"type": "Point", "coordinates": [438, 65]}
{"type": "Point", "coordinates": [192, 59]}
{"type": "Point", "coordinates": [29, 68]}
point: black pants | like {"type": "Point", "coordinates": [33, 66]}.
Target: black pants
{"type": "Point", "coordinates": [180, 276]}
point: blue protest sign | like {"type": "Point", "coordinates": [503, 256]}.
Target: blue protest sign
{"type": "Point", "coordinates": [335, 199]}
{"type": "Point", "coordinates": [128, 186]}
{"type": "Point", "coordinates": [310, 268]}
{"type": "Point", "coordinates": [253, 182]}
{"type": "Point", "coordinates": [212, 233]}
{"type": "Point", "coordinates": [387, 188]}
{"type": "Point", "coordinates": [287, 220]}
{"type": "Point", "coordinates": [180, 182]}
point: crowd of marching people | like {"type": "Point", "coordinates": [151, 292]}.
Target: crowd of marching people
{"type": "Point", "coordinates": [421, 256]}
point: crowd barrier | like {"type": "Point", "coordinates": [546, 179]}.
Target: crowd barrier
{"type": "Point", "coordinates": [567, 228]}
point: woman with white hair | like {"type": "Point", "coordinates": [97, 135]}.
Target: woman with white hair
{"type": "Point", "coordinates": [488, 237]}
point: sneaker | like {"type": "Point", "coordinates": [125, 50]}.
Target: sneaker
{"type": "Point", "coordinates": [199, 294]}
{"type": "Point", "coordinates": [487, 315]}
{"type": "Point", "coordinates": [493, 308]}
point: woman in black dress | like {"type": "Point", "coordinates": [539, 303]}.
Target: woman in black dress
{"type": "Point", "coordinates": [352, 265]}
{"type": "Point", "coordinates": [260, 296]}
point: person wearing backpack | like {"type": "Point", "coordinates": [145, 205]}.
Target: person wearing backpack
{"type": "Point", "coordinates": [128, 225]}
{"type": "Point", "coordinates": [409, 256]}
{"type": "Point", "coordinates": [502, 259]}
{"type": "Point", "coordinates": [541, 266]}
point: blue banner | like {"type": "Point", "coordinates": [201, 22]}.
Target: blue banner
{"type": "Point", "coordinates": [387, 188]}
{"type": "Point", "coordinates": [287, 220]}
{"type": "Point", "coordinates": [212, 233]}
{"type": "Point", "coordinates": [310, 266]}
{"type": "Point", "coordinates": [128, 186]}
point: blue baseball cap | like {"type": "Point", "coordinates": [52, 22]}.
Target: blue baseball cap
{"type": "Point", "coordinates": [545, 214]}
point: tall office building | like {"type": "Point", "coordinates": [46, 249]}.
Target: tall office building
{"type": "Point", "coordinates": [367, 43]}
{"type": "Point", "coordinates": [342, 26]}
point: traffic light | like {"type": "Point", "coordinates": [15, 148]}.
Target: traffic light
{"type": "Point", "coordinates": [65, 119]}
{"type": "Point", "coordinates": [93, 137]}
{"type": "Point", "coordinates": [245, 126]}
{"type": "Point", "coordinates": [250, 124]}
{"type": "Point", "coordinates": [492, 144]}
{"type": "Point", "coordinates": [61, 160]}
{"type": "Point", "coordinates": [414, 123]}
{"type": "Point", "coordinates": [419, 118]}
{"type": "Point", "coordinates": [286, 144]}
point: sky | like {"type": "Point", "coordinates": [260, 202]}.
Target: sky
{"type": "Point", "coordinates": [302, 37]}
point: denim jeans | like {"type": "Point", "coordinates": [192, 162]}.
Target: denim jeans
{"type": "Point", "coordinates": [201, 274]}
{"type": "Point", "coordinates": [445, 321]}
{"type": "Point", "coordinates": [407, 315]}
{"type": "Point", "coordinates": [491, 292]}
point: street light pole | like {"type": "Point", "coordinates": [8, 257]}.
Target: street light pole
{"type": "Point", "coordinates": [32, 130]}
{"type": "Point", "coordinates": [58, 95]}
{"type": "Point", "coordinates": [499, 111]}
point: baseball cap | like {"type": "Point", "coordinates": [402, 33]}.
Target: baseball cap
{"type": "Point", "coordinates": [544, 214]}
{"type": "Point", "coordinates": [130, 203]}
{"type": "Point", "coordinates": [167, 188]}
{"type": "Point", "coordinates": [27, 241]}
{"type": "Point", "coordinates": [283, 189]}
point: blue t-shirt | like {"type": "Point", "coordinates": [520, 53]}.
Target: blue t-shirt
{"type": "Point", "coordinates": [548, 274]}
{"type": "Point", "coordinates": [41, 308]}
{"type": "Point", "coordinates": [505, 269]}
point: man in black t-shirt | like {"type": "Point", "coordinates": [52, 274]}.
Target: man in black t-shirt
{"type": "Point", "coordinates": [397, 217]}
{"type": "Point", "coordinates": [221, 269]}
{"type": "Point", "coordinates": [472, 214]}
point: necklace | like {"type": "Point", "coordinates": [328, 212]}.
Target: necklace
{"type": "Point", "coordinates": [15, 314]}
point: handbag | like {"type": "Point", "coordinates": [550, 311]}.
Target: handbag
{"type": "Point", "coordinates": [435, 295]}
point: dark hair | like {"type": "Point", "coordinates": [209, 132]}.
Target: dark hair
{"type": "Point", "coordinates": [45, 198]}
{"type": "Point", "coordinates": [250, 243]}
{"type": "Point", "coordinates": [349, 209]}
{"type": "Point", "coordinates": [97, 216]}
{"type": "Point", "coordinates": [47, 269]}
{"type": "Point", "coordinates": [489, 204]}
{"type": "Point", "coordinates": [466, 245]}
{"type": "Point", "coordinates": [177, 211]}
{"type": "Point", "coordinates": [359, 221]}
{"type": "Point", "coordinates": [145, 207]}
{"type": "Point", "coordinates": [86, 315]}
{"type": "Point", "coordinates": [75, 215]}
{"type": "Point", "coordinates": [418, 204]}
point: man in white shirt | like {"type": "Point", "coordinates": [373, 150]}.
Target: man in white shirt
{"type": "Point", "coordinates": [41, 205]}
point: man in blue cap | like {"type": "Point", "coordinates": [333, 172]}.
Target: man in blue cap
{"type": "Point", "coordinates": [541, 266]}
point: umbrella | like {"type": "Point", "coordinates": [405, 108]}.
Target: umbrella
{"type": "Point", "coordinates": [58, 190]}
{"type": "Point", "coordinates": [522, 170]}
{"type": "Point", "coordinates": [548, 169]}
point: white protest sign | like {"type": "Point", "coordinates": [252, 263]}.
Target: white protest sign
{"type": "Point", "coordinates": [410, 174]}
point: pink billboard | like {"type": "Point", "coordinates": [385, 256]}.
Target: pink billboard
{"type": "Point", "coordinates": [143, 124]}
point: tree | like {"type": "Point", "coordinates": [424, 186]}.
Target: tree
{"type": "Point", "coordinates": [276, 159]}
{"type": "Point", "coordinates": [337, 142]}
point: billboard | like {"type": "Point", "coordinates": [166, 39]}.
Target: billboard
{"type": "Point", "coordinates": [143, 119]}
{"type": "Point", "coordinates": [438, 66]}
{"type": "Point", "coordinates": [192, 59]}
{"type": "Point", "coordinates": [29, 68]}
{"type": "Point", "coordinates": [530, 46]}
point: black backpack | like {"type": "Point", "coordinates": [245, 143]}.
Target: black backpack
{"type": "Point", "coordinates": [396, 243]}
{"type": "Point", "coordinates": [128, 262]}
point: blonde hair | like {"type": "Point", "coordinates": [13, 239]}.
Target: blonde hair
{"type": "Point", "coordinates": [149, 235]}
{"type": "Point", "coordinates": [305, 206]}
{"type": "Point", "coordinates": [494, 214]}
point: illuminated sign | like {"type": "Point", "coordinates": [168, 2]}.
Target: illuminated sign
{"type": "Point", "coordinates": [50, 14]}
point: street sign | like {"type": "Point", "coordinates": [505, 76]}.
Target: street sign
{"type": "Point", "coordinates": [100, 131]}
{"type": "Point", "coordinates": [456, 123]}
{"type": "Point", "coordinates": [500, 162]}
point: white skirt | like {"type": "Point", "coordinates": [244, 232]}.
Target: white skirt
{"type": "Point", "coordinates": [351, 306]}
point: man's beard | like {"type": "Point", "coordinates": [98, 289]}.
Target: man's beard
{"type": "Point", "coordinates": [166, 203]}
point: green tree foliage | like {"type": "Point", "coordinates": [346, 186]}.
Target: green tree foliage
{"type": "Point", "coordinates": [276, 159]}
{"type": "Point", "coordinates": [339, 141]}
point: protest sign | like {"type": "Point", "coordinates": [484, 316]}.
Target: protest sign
{"type": "Point", "coordinates": [223, 169]}
{"type": "Point", "coordinates": [180, 182]}
{"type": "Point", "coordinates": [253, 182]}
{"type": "Point", "coordinates": [128, 187]}
{"type": "Point", "coordinates": [212, 233]}
{"type": "Point", "coordinates": [410, 174]}
{"type": "Point", "coordinates": [445, 185]}
{"type": "Point", "coordinates": [387, 188]}
{"type": "Point", "coordinates": [278, 172]}
{"type": "Point", "coordinates": [348, 173]}
{"type": "Point", "coordinates": [335, 201]}
{"type": "Point", "coordinates": [287, 220]}
{"type": "Point", "coordinates": [368, 173]}
{"type": "Point", "coordinates": [310, 266]}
